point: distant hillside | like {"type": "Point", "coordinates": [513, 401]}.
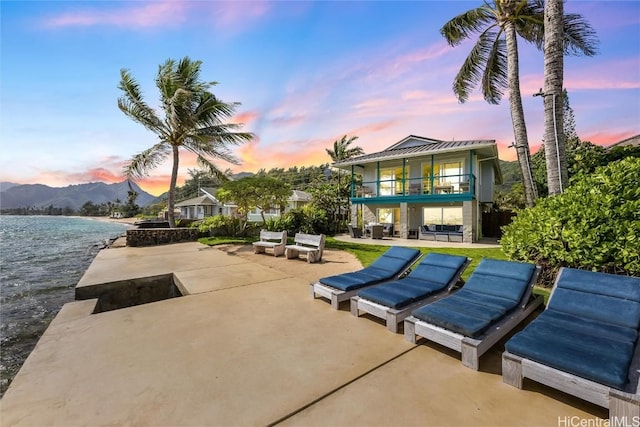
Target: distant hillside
{"type": "Point", "coordinates": [73, 196]}
{"type": "Point", "coordinates": [510, 175]}
{"type": "Point", "coordinates": [4, 186]}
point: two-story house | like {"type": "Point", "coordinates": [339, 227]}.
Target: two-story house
{"type": "Point", "coordinates": [423, 181]}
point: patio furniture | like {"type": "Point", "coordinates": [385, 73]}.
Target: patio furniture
{"type": "Point", "coordinates": [354, 232]}
{"type": "Point", "coordinates": [585, 343]}
{"type": "Point", "coordinates": [389, 266]}
{"type": "Point", "coordinates": [377, 231]}
{"type": "Point", "coordinates": [492, 302]}
{"type": "Point", "coordinates": [309, 245]}
{"type": "Point", "coordinates": [393, 301]}
{"type": "Point", "coordinates": [272, 240]}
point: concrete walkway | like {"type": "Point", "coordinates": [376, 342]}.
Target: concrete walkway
{"type": "Point", "coordinates": [248, 346]}
{"type": "Point", "coordinates": [396, 241]}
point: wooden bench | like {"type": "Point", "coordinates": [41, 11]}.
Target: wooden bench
{"type": "Point", "coordinates": [275, 240]}
{"type": "Point", "coordinates": [311, 245]}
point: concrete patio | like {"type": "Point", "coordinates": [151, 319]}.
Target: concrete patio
{"type": "Point", "coordinates": [247, 345]}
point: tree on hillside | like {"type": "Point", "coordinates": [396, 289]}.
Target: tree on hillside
{"type": "Point", "coordinates": [193, 120]}
{"type": "Point", "coordinates": [493, 61]}
{"type": "Point", "coordinates": [555, 46]}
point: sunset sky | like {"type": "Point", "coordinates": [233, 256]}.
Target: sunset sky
{"type": "Point", "coordinates": [305, 73]}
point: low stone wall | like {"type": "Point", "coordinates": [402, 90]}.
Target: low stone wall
{"type": "Point", "coordinates": [160, 236]}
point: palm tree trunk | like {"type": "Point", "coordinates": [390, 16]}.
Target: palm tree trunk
{"type": "Point", "coordinates": [517, 115]}
{"type": "Point", "coordinates": [554, 149]}
{"type": "Point", "coordinates": [172, 187]}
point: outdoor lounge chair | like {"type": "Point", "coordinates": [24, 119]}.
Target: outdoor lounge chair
{"type": "Point", "coordinates": [389, 266]}
{"type": "Point", "coordinates": [585, 343]}
{"type": "Point", "coordinates": [493, 301]}
{"type": "Point", "coordinates": [354, 231]}
{"type": "Point", "coordinates": [393, 301]}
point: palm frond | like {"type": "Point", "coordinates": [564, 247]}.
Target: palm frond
{"type": "Point", "coordinates": [495, 78]}
{"type": "Point", "coordinates": [212, 169]}
{"type": "Point", "coordinates": [143, 162]}
{"type": "Point", "coordinates": [579, 36]}
{"type": "Point", "coordinates": [529, 23]}
{"type": "Point", "coordinates": [472, 70]}
{"type": "Point", "coordinates": [132, 104]}
{"type": "Point", "coordinates": [472, 21]}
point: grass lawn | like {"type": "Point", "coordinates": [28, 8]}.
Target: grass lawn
{"type": "Point", "coordinates": [366, 254]}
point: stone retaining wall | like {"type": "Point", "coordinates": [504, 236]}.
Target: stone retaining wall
{"type": "Point", "coordinates": [160, 236]}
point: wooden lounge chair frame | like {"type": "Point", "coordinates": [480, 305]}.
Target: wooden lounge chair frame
{"type": "Point", "coordinates": [336, 296]}
{"type": "Point", "coordinates": [393, 316]}
{"type": "Point", "coordinates": [624, 406]}
{"type": "Point", "coordinates": [472, 348]}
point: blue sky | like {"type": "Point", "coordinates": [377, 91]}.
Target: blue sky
{"type": "Point", "coordinates": [305, 73]}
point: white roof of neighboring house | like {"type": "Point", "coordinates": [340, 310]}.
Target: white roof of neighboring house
{"type": "Point", "coordinates": [633, 141]}
{"type": "Point", "coordinates": [197, 201]}
{"type": "Point", "coordinates": [300, 196]}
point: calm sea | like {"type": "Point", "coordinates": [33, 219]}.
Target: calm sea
{"type": "Point", "coordinates": [42, 258]}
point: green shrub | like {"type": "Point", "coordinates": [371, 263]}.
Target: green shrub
{"type": "Point", "coordinates": [594, 225]}
{"type": "Point", "coordinates": [221, 225]}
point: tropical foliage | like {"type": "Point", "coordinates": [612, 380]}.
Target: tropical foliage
{"type": "Point", "coordinates": [194, 120]}
{"type": "Point", "coordinates": [593, 225]}
{"type": "Point", "coordinates": [264, 193]}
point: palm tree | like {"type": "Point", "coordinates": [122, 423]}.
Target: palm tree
{"type": "Point", "coordinates": [493, 62]}
{"type": "Point", "coordinates": [193, 120]}
{"type": "Point", "coordinates": [342, 151]}
{"type": "Point", "coordinates": [583, 42]}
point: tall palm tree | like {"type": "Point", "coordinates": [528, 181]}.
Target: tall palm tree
{"type": "Point", "coordinates": [493, 62]}
{"type": "Point", "coordinates": [193, 120]}
{"type": "Point", "coordinates": [583, 42]}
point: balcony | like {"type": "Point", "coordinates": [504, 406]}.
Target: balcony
{"type": "Point", "coordinates": [424, 189]}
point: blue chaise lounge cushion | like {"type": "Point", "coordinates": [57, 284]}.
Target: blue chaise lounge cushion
{"type": "Point", "coordinates": [494, 289]}
{"type": "Point", "coordinates": [589, 328]}
{"type": "Point", "coordinates": [387, 267]}
{"type": "Point", "coordinates": [433, 274]}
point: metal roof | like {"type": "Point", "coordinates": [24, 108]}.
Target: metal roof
{"type": "Point", "coordinates": [197, 201]}
{"type": "Point", "coordinates": [430, 146]}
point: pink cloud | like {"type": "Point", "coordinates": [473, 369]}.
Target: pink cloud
{"type": "Point", "coordinates": [246, 118]}
{"type": "Point", "coordinates": [162, 13]}
{"type": "Point", "coordinates": [231, 14]}
{"type": "Point", "coordinates": [155, 14]}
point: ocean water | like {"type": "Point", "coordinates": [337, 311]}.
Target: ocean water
{"type": "Point", "coordinates": [42, 258]}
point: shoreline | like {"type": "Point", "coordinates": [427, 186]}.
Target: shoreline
{"type": "Point", "coordinates": [129, 221]}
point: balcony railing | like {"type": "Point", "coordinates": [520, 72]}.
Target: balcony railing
{"type": "Point", "coordinates": [427, 186]}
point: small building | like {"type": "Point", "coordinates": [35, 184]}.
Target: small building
{"type": "Point", "coordinates": [204, 206]}
{"type": "Point", "coordinates": [424, 181]}
{"type": "Point", "coordinates": [297, 199]}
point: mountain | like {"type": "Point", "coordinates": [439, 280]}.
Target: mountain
{"type": "Point", "coordinates": [7, 185]}
{"type": "Point", "coordinates": [73, 196]}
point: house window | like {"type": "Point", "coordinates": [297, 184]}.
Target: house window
{"type": "Point", "coordinates": [392, 180]}
{"type": "Point", "coordinates": [390, 216]}
{"type": "Point", "coordinates": [446, 177]}
{"type": "Point", "coordinates": [450, 215]}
